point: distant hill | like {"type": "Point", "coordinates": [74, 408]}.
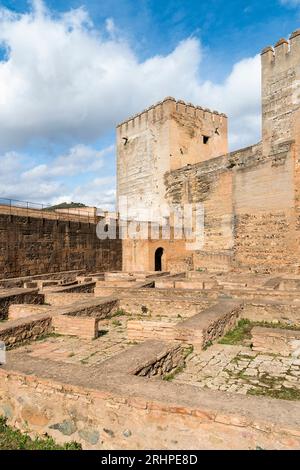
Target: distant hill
{"type": "Point", "coordinates": [66, 205]}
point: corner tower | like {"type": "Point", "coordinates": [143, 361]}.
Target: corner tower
{"type": "Point", "coordinates": [164, 137]}
{"type": "Point", "coordinates": [281, 93]}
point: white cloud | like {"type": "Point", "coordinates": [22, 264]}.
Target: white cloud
{"type": "Point", "coordinates": [292, 3]}
{"type": "Point", "coordinates": [99, 192]}
{"type": "Point", "coordinates": [58, 181]}
{"type": "Point", "coordinates": [79, 158]}
{"type": "Point", "coordinates": [63, 79]}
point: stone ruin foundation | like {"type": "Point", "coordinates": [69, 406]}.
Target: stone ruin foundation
{"type": "Point", "coordinates": [146, 365]}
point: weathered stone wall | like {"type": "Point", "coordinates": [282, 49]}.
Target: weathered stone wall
{"type": "Point", "coordinates": [66, 276]}
{"type": "Point", "coordinates": [248, 199]}
{"type": "Point", "coordinates": [85, 288]}
{"type": "Point", "coordinates": [174, 417]}
{"type": "Point", "coordinates": [82, 327]}
{"type": "Point", "coordinates": [166, 363]}
{"type": "Point", "coordinates": [17, 311]}
{"type": "Point", "coordinates": [171, 307]}
{"type": "Point", "coordinates": [95, 308]}
{"type": "Point", "coordinates": [16, 332]}
{"type": "Point", "coordinates": [57, 299]}
{"type": "Point", "coordinates": [143, 330]}
{"type": "Point", "coordinates": [272, 311]}
{"type": "Point", "coordinates": [31, 246]}
{"type": "Point", "coordinates": [18, 296]}
{"type": "Point", "coordinates": [251, 197]}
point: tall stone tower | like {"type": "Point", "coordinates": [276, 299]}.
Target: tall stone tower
{"type": "Point", "coordinates": [164, 137]}
{"type": "Point", "coordinates": [281, 129]}
{"type": "Point", "coordinates": [281, 93]}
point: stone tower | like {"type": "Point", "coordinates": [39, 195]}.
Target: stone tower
{"type": "Point", "coordinates": [164, 137]}
{"type": "Point", "coordinates": [281, 130]}
{"type": "Point", "coordinates": [281, 93]}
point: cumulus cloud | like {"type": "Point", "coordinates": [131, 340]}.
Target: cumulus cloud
{"type": "Point", "coordinates": [99, 192]}
{"type": "Point", "coordinates": [21, 179]}
{"type": "Point", "coordinates": [79, 158]}
{"type": "Point", "coordinates": [62, 79]}
{"type": "Point", "coordinates": [66, 82]}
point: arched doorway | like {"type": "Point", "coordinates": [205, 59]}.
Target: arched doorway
{"type": "Point", "coordinates": [158, 259]}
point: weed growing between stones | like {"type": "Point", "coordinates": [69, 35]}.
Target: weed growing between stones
{"type": "Point", "coordinates": [171, 375]}
{"type": "Point", "coordinates": [13, 439]}
{"type": "Point", "coordinates": [120, 313]}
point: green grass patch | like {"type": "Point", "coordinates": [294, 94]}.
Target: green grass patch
{"type": "Point", "coordinates": [171, 375]}
{"type": "Point", "coordinates": [283, 393]}
{"type": "Point", "coordinates": [207, 345]}
{"type": "Point", "coordinates": [120, 313]}
{"type": "Point", "coordinates": [188, 351]}
{"type": "Point", "coordinates": [242, 332]}
{"type": "Point", "coordinates": [238, 334]}
{"type": "Point", "coordinates": [13, 439]}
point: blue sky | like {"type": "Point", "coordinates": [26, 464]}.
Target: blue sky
{"type": "Point", "coordinates": [71, 70]}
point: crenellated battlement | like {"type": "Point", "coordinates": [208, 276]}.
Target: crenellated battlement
{"type": "Point", "coordinates": [283, 53]}
{"type": "Point", "coordinates": [165, 108]}
{"type": "Point", "coordinates": [280, 91]}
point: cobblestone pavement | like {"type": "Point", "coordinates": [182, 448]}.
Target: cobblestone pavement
{"type": "Point", "coordinates": [71, 349]}
{"type": "Point", "coordinates": [240, 370]}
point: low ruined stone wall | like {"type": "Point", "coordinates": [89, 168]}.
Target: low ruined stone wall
{"type": "Point", "coordinates": [195, 284]}
{"type": "Point", "coordinates": [19, 296]}
{"type": "Point", "coordinates": [170, 307]}
{"type": "Point", "coordinates": [276, 341]}
{"type": "Point", "coordinates": [272, 311]}
{"type": "Point", "coordinates": [142, 330]}
{"type": "Point", "coordinates": [25, 310]}
{"type": "Point", "coordinates": [87, 287]}
{"type": "Point", "coordinates": [83, 327]}
{"type": "Point", "coordinates": [16, 332]}
{"type": "Point", "coordinates": [210, 325]}
{"type": "Point", "coordinates": [200, 330]}
{"type": "Point", "coordinates": [19, 281]}
{"type": "Point", "coordinates": [163, 364]}
{"type": "Point", "coordinates": [103, 419]}
{"type": "Point", "coordinates": [96, 308]}
{"type": "Point", "coordinates": [57, 299]}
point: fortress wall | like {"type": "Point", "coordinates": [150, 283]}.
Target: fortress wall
{"type": "Point", "coordinates": [252, 197]}
{"type": "Point", "coordinates": [265, 238]}
{"type": "Point", "coordinates": [211, 184]}
{"type": "Point", "coordinates": [30, 246]}
{"type": "Point", "coordinates": [249, 208]}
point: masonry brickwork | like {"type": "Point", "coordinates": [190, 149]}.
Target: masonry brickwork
{"type": "Point", "coordinates": [36, 245]}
